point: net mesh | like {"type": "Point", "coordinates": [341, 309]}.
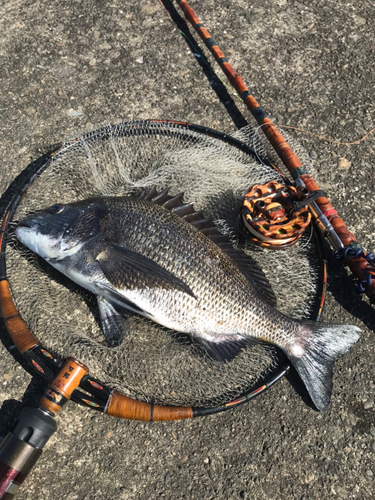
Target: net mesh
{"type": "Point", "coordinates": [154, 364]}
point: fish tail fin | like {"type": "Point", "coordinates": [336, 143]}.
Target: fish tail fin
{"type": "Point", "coordinates": [315, 356]}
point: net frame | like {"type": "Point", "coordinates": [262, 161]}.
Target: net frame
{"type": "Point", "coordinates": [92, 392]}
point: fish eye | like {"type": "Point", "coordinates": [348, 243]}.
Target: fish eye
{"type": "Point", "coordinates": [56, 209]}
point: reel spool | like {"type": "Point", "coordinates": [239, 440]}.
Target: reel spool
{"type": "Point", "coordinates": [272, 218]}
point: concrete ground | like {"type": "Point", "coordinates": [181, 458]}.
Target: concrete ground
{"type": "Point", "coordinates": [71, 64]}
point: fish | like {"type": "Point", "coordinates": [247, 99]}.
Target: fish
{"type": "Point", "coordinates": [157, 256]}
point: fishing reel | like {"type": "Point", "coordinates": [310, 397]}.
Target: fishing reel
{"type": "Point", "coordinates": [274, 215]}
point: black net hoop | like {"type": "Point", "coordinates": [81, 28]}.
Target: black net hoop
{"type": "Point", "coordinates": [162, 152]}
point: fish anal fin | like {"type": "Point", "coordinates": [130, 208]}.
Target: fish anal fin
{"type": "Point", "coordinates": [226, 350]}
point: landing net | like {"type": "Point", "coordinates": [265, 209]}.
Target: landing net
{"type": "Point", "coordinates": [214, 171]}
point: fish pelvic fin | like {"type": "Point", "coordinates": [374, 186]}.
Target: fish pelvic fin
{"type": "Point", "coordinates": [112, 323]}
{"type": "Point", "coordinates": [315, 355]}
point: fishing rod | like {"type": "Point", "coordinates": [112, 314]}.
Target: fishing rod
{"type": "Point", "coordinates": [333, 228]}
{"type": "Point", "coordinates": [69, 378]}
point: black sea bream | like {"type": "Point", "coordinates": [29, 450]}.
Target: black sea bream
{"type": "Point", "coordinates": [158, 257]}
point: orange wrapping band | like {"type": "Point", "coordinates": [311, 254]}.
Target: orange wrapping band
{"type": "Point", "coordinates": [189, 12]}
{"type": "Point", "coordinates": [21, 336]}
{"type": "Point", "coordinates": [123, 407]}
{"type": "Point", "coordinates": [62, 386]}
{"type": "Point", "coordinates": [204, 33]}
{"type": "Point", "coordinates": [282, 148]}
{"type": "Point", "coordinates": [7, 305]}
{"type": "Point", "coordinates": [50, 406]}
{"type": "Point", "coordinates": [234, 78]}
{"type": "Point", "coordinates": [218, 54]}
{"type": "Point", "coordinates": [69, 377]}
{"type": "Point", "coordinates": [251, 102]}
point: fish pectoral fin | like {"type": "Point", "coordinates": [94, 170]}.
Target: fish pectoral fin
{"type": "Point", "coordinates": [112, 323]}
{"type": "Point", "coordinates": [124, 268]}
{"type": "Point", "coordinates": [186, 211]}
{"type": "Point", "coordinates": [119, 302]}
{"type": "Point", "coordinates": [226, 350]}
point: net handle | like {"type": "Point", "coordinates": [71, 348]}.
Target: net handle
{"type": "Point", "coordinates": [332, 226]}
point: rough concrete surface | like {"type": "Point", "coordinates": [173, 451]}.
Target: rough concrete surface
{"type": "Point", "coordinates": [70, 64]}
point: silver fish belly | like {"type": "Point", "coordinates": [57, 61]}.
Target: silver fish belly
{"type": "Point", "coordinates": [158, 257]}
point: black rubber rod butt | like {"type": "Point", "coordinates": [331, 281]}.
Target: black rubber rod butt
{"type": "Point", "coordinates": [21, 449]}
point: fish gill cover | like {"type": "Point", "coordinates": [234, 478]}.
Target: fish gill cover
{"type": "Point", "coordinates": [152, 363]}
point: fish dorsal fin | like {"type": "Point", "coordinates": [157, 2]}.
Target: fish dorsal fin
{"type": "Point", "coordinates": [186, 211]}
{"type": "Point", "coordinates": [177, 206]}
{"type": "Point", "coordinates": [173, 203]}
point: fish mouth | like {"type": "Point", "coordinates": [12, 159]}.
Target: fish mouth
{"type": "Point", "coordinates": [25, 229]}
{"type": "Point", "coordinates": [30, 223]}
{"type": "Point", "coordinates": [23, 223]}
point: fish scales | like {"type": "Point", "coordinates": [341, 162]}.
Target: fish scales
{"type": "Point", "coordinates": [137, 254]}
{"type": "Point", "coordinates": [225, 301]}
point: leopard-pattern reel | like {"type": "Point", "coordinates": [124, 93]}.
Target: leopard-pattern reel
{"type": "Point", "coordinates": [272, 215]}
